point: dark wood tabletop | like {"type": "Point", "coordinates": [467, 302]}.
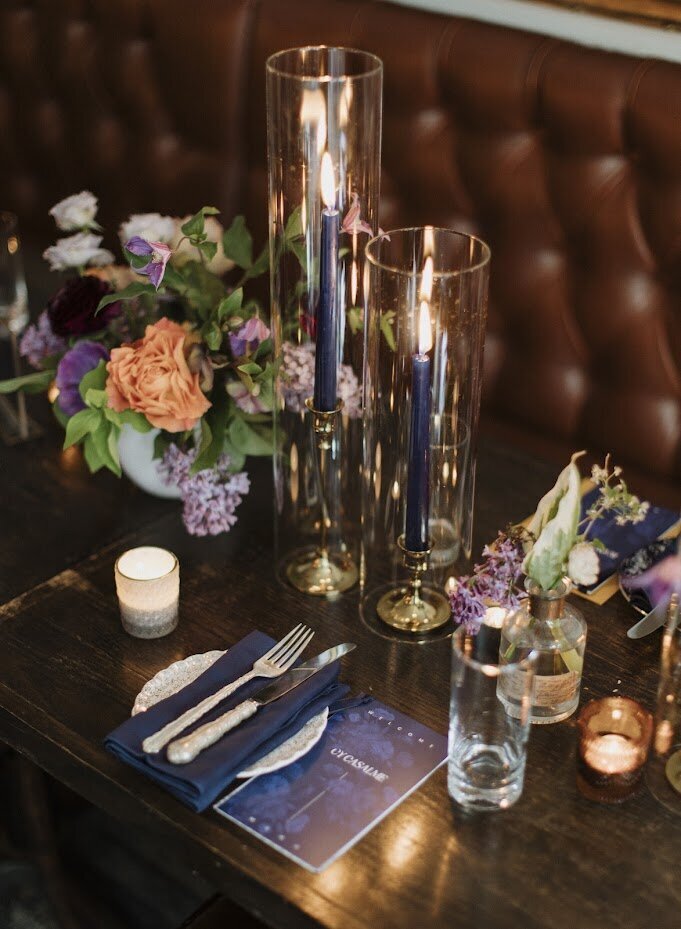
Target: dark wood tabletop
{"type": "Point", "coordinates": [69, 674]}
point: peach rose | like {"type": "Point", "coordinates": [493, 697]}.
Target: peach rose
{"type": "Point", "coordinates": [151, 376]}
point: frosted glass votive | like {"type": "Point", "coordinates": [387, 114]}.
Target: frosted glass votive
{"type": "Point", "coordinates": [148, 588]}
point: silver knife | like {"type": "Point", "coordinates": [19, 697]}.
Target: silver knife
{"type": "Point", "coordinates": [650, 622]}
{"type": "Point", "coordinates": [184, 750]}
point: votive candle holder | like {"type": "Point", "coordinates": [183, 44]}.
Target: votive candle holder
{"type": "Point", "coordinates": [148, 588]}
{"type": "Point", "coordinates": [614, 741]}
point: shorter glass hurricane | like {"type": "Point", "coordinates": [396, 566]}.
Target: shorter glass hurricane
{"type": "Point", "coordinates": [487, 743]}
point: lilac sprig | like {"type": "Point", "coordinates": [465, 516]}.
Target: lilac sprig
{"type": "Point", "coordinates": [494, 582]}
{"type": "Point", "coordinates": [39, 342]}
{"type": "Point", "coordinates": [210, 497]}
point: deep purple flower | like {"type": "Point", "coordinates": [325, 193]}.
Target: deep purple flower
{"type": "Point", "coordinates": [72, 309]}
{"type": "Point", "coordinates": [158, 254]}
{"type": "Point", "coordinates": [210, 497]}
{"type": "Point", "coordinates": [660, 581]}
{"type": "Point", "coordinates": [83, 357]}
{"type": "Point", "coordinates": [39, 342]}
{"type": "Point", "coordinates": [249, 337]}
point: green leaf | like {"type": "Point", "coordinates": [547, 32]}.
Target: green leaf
{"type": "Point", "coordinates": [194, 226]}
{"type": "Point", "coordinates": [137, 420]}
{"type": "Point", "coordinates": [213, 427]}
{"type": "Point", "coordinates": [355, 320]}
{"type": "Point", "coordinates": [61, 417]}
{"type": "Point", "coordinates": [79, 425]}
{"type": "Point", "coordinates": [387, 328]}
{"type": "Point", "coordinates": [212, 335]}
{"type": "Point", "coordinates": [260, 265]}
{"type": "Point", "coordinates": [172, 278]}
{"type": "Point", "coordinates": [29, 383]}
{"type": "Point", "coordinates": [96, 398]}
{"type": "Point", "coordinates": [92, 456]}
{"type": "Point", "coordinates": [237, 243]}
{"type": "Point", "coordinates": [237, 459]}
{"type": "Point", "coordinates": [93, 380]}
{"type": "Point", "coordinates": [249, 440]}
{"type": "Point", "coordinates": [294, 225]}
{"type": "Point", "coordinates": [208, 249]}
{"type": "Point", "coordinates": [161, 443]}
{"type": "Point", "coordinates": [128, 293]}
{"type": "Point", "coordinates": [230, 305]}
{"type": "Point", "coordinates": [103, 442]}
{"type": "Point", "coordinates": [250, 367]}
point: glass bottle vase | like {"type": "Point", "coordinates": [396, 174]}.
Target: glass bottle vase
{"type": "Point", "coordinates": [547, 624]}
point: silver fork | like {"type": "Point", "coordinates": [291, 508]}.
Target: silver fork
{"type": "Point", "coordinates": [279, 659]}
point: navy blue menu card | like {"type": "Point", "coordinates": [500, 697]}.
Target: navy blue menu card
{"type": "Point", "coordinates": [368, 760]}
{"type": "Point", "coordinates": [623, 541]}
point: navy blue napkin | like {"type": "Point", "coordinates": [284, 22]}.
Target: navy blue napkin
{"type": "Point", "coordinates": [624, 540]}
{"type": "Point", "coordinates": [198, 783]}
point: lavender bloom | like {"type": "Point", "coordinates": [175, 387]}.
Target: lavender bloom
{"type": "Point", "coordinates": [467, 605]}
{"type": "Point", "coordinates": [210, 497]}
{"type": "Point", "coordinates": [298, 380]}
{"type": "Point", "coordinates": [246, 401]}
{"type": "Point", "coordinates": [493, 583]}
{"type": "Point", "coordinates": [83, 357]}
{"type": "Point", "coordinates": [158, 254]}
{"type": "Point", "coordinates": [249, 337]}
{"type": "Point", "coordinates": [39, 342]}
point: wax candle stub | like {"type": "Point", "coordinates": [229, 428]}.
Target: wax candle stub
{"type": "Point", "coordinates": [612, 754]}
{"type": "Point", "coordinates": [148, 587]}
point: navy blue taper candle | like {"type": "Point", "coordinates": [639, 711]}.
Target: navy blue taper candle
{"type": "Point", "coordinates": [325, 373]}
{"type": "Point", "coordinates": [418, 476]}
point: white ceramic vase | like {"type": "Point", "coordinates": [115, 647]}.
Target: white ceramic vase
{"type": "Point", "coordinates": [136, 451]}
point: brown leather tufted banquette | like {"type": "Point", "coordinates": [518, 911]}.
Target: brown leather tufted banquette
{"type": "Point", "coordinates": [566, 160]}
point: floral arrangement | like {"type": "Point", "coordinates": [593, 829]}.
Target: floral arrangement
{"type": "Point", "coordinates": [168, 341]}
{"type": "Point", "coordinates": [555, 545]}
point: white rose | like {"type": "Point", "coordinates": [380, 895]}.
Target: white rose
{"type": "Point", "coordinates": [77, 251]}
{"type": "Point", "coordinates": [185, 252]}
{"type": "Point", "coordinates": [150, 226]}
{"type": "Point", "coordinates": [583, 564]}
{"type": "Point", "coordinates": [76, 212]}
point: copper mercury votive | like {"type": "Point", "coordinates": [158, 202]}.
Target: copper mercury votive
{"type": "Point", "coordinates": [614, 740]}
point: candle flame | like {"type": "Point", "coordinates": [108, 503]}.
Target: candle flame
{"type": "Point", "coordinates": [328, 183]}
{"type": "Point", "coordinates": [425, 331]}
{"type": "Point", "coordinates": [427, 279]}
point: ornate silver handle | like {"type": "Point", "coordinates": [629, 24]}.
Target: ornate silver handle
{"type": "Point", "coordinates": [157, 741]}
{"type": "Point", "coordinates": [185, 750]}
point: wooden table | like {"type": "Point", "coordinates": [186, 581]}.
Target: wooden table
{"type": "Point", "coordinates": [68, 675]}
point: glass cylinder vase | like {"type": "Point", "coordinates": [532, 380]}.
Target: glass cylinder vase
{"type": "Point", "coordinates": [324, 150]}
{"type": "Point", "coordinates": [426, 312]}
{"type": "Point", "coordinates": [548, 624]}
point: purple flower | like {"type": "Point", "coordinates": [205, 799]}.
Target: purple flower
{"type": "Point", "coordinates": [467, 605]}
{"type": "Point", "coordinates": [493, 583]}
{"type": "Point", "coordinates": [660, 581]}
{"type": "Point", "coordinates": [83, 357]}
{"type": "Point", "coordinates": [73, 309]}
{"type": "Point", "coordinates": [39, 342]}
{"type": "Point", "coordinates": [158, 254]}
{"type": "Point", "coordinates": [249, 337]}
{"type": "Point", "coordinates": [210, 497]}
{"type": "Point", "coordinates": [246, 401]}
{"type": "Point", "coordinates": [298, 380]}
{"type": "Point", "coordinates": [352, 221]}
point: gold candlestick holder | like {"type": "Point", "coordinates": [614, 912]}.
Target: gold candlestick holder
{"type": "Point", "coordinates": [414, 608]}
{"type": "Point", "coordinates": [322, 573]}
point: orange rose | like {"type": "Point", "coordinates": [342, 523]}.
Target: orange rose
{"type": "Point", "coordinates": [151, 376]}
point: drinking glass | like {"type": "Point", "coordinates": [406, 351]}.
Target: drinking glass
{"type": "Point", "coordinates": [13, 317]}
{"type": "Point", "coordinates": [487, 745]}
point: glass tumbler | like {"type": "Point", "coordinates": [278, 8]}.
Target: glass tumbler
{"type": "Point", "coordinates": [324, 109]}
{"type": "Point", "coordinates": [487, 745]}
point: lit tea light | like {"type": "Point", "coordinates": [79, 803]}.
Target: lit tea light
{"type": "Point", "coordinates": [615, 737]}
{"type": "Point", "coordinates": [148, 588]}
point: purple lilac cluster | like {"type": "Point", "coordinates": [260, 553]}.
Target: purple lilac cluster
{"type": "Point", "coordinates": [494, 582]}
{"type": "Point", "coordinates": [298, 380]}
{"type": "Point", "coordinates": [210, 497]}
{"type": "Point", "coordinates": [39, 342]}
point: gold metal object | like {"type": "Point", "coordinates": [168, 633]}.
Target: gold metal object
{"type": "Point", "coordinates": [414, 608]}
{"type": "Point", "coordinates": [319, 572]}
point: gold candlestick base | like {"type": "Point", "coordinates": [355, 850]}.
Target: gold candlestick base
{"type": "Point", "coordinates": [318, 571]}
{"type": "Point", "coordinates": [320, 574]}
{"type": "Point", "coordinates": [414, 608]}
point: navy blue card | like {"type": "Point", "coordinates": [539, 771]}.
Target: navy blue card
{"type": "Point", "coordinates": [368, 760]}
{"type": "Point", "coordinates": [623, 541]}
